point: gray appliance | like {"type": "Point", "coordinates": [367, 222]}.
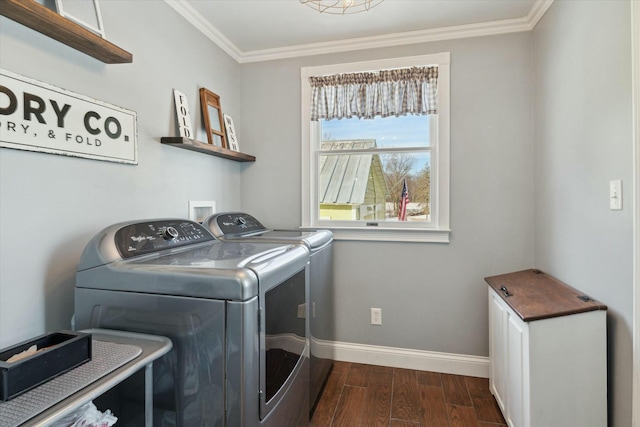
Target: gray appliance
{"type": "Point", "coordinates": [240, 351]}
{"type": "Point", "coordinates": [242, 227]}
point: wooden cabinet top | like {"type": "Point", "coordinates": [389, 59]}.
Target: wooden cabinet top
{"type": "Point", "coordinates": [535, 295]}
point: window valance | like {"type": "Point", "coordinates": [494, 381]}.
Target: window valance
{"type": "Point", "coordinates": [384, 93]}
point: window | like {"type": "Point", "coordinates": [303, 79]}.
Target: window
{"type": "Point", "coordinates": [376, 174]}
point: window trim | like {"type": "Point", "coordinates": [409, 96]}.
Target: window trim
{"type": "Point", "coordinates": [439, 230]}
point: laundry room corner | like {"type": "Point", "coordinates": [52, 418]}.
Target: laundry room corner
{"type": "Point", "coordinates": [53, 204]}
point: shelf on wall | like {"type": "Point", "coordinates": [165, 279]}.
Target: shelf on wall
{"type": "Point", "coordinates": [45, 21]}
{"type": "Point", "coordinates": [201, 147]}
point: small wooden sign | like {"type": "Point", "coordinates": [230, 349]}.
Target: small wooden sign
{"type": "Point", "coordinates": [182, 112]}
{"type": "Point", "coordinates": [232, 139]}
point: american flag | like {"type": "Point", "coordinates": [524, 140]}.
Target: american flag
{"type": "Point", "coordinates": [404, 201]}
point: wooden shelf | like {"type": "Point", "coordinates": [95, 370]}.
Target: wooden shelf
{"type": "Point", "coordinates": [49, 23]}
{"type": "Point", "coordinates": [201, 147]}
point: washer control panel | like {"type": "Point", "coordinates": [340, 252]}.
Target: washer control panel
{"type": "Point", "coordinates": [146, 237]}
{"type": "Point", "coordinates": [237, 224]}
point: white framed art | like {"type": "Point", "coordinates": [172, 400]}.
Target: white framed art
{"type": "Point", "coordinates": [232, 138]}
{"type": "Point", "coordinates": [200, 210]}
{"type": "Point", "coordinates": [83, 12]}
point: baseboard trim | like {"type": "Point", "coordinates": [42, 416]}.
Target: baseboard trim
{"type": "Point", "coordinates": [448, 363]}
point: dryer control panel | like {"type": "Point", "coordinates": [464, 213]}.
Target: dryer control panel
{"type": "Point", "coordinates": [236, 224]}
{"type": "Point", "coordinates": [146, 237]}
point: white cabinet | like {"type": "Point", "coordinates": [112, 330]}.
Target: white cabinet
{"type": "Point", "coordinates": [498, 318]}
{"type": "Point", "coordinates": [548, 358]}
{"type": "Point", "coordinates": [507, 336]}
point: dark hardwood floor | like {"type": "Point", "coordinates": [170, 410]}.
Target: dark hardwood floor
{"type": "Point", "coordinates": [364, 395]}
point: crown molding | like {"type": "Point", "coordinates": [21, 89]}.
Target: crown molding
{"type": "Point", "coordinates": [537, 11]}
{"type": "Point", "coordinates": [389, 40]}
{"type": "Point", "coordinates": [197, 20]}
{"type": "Point", "coordinates": [526, 23]}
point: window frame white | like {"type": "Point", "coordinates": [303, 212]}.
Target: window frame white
{"type": "Point", "coordinates": [437, 230]}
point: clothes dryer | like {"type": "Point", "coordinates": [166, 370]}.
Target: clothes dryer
{"type": "Point", "coordinates": [240, 351]}
{"type": "Point", "coordinates": [243, 227]}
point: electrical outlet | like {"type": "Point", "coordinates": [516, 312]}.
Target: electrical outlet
{"type": "Point", "coordinates": [376, 316]}
{"type": "Point", "coordinates": [302, 308]}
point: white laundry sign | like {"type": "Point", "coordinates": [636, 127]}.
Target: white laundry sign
{"type": "Point", "coordinates": [37, 116]}
{"type": "Point", "coordinates": [182, 112]}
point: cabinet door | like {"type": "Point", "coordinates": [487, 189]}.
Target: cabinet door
{"type": "Point", "coordinates": [498, 317]}
{"type": "Point", "coordinates": [515, 377]}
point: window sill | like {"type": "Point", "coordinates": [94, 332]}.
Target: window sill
{"type": "Point", "coordinates": [387, 234]}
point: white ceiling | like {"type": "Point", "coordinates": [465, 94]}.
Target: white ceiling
{"type": "Point", "coordinates": [251, 30]}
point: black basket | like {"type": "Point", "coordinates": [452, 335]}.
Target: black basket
{"type": "Point", "coordinates": [65, 350]}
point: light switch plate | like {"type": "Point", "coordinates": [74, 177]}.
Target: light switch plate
{"type": "Point", "coordinates": [376, 316]}
{"type": "Point", "coordinates": [615, 195]}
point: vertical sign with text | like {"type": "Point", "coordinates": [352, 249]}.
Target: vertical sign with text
{"type": "Point", "coordinates": [182, 112]}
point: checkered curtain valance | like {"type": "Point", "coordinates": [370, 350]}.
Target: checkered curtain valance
{"type": "Point", "coordinates": [367, 95]}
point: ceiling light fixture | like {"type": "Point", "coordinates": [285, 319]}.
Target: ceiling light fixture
{"type": "Point", "coordinates": [341, 7]}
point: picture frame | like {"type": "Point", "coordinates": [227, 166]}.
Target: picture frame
{"type": "Point", "coordinates": [212, 115]}
{"type": "Point", "coordinates": [232, 139]}
{"type": "Point", "coordinates": [85, 13]}
{"type": "Point", "coordinates": [200, 210]}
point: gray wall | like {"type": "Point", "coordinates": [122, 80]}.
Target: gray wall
{"type": "Point", "coordinates": [582, 80]}
{"type": "Point", "coordinates": [52, 205]}
{"type": "Point", "coordinates": [529, 156]}
{"type": "Point", "coordinates": [432, 296]}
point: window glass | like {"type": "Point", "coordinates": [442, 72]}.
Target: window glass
{"type": "Point", "coordinates": [389, 132]}
{"type": "Point", "coordinates": [366, 183]}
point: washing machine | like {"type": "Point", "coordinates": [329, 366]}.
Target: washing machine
{"type": "Point", "coordinates": [240, 354]}
{"type": "Point", "coordinates": [243, 227]}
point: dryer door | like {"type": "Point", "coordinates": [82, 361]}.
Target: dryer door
{"type": "Point", "coordinates": [283, 346]}
{"type": "Point", "coordinates": [188, 382]}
